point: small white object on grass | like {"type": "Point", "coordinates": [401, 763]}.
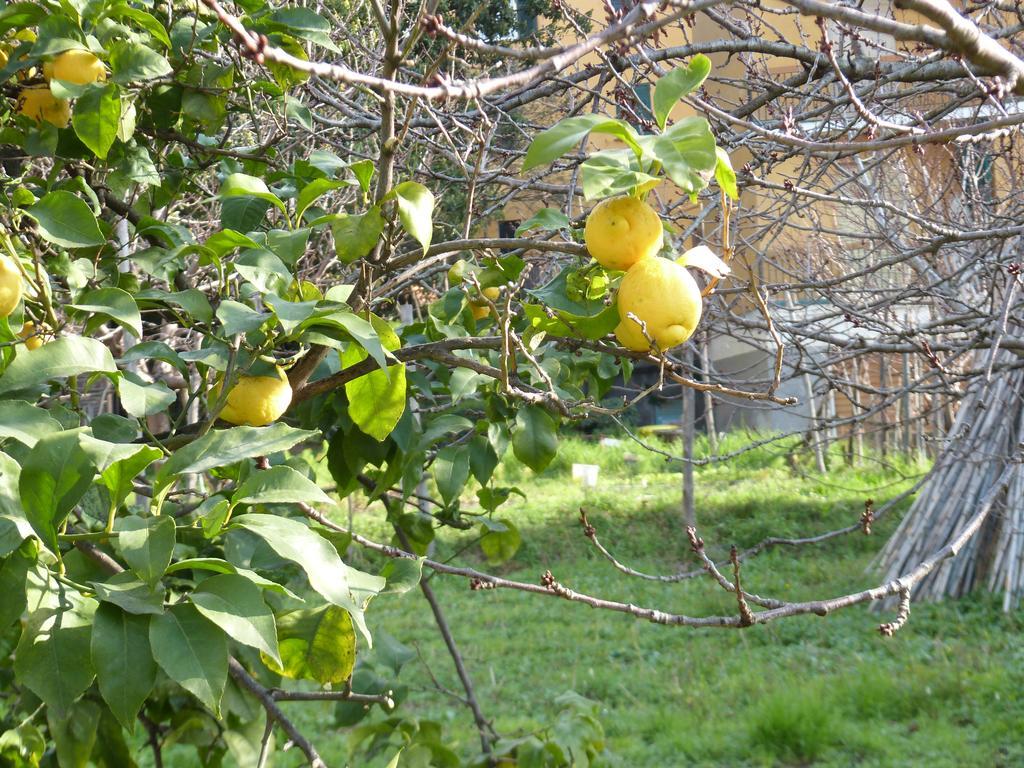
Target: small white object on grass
{"type": "Point", "coordinates": [585, 474]}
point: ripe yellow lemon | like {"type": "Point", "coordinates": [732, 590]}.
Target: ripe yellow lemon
{"type": "Point", "coordinates": [480, 308]}
{"type": "Point", "coordinates": [32, 339]}
{"type": "Point", "coordinates": [10, 285]}
{"type": "Point", "coordinates": [78, 67]}
{"type": "Point", "coordinates": [665, 297]}
{"type": "Point", "coordinates": [622, 230]}
{"type": "Point", "coordinates": [491, 293]}
{"type": "Point", "coordinates": [39, 104]}
{"type": "Point", "coordinates": [256, 400]}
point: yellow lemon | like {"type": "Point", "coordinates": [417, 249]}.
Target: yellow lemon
{"type": "Point", "coordinates": [10, 285]}
{"type": "Point", "coordinates": [491, 293]}
{"type": "Point", "coordinates": [480, 308]}
{"type": "Point", "coordinates": [622, 230]}
{"type": "Point", "coordinates": [32, 339]}
{"type": "Point", "coordinates": [256, 400]}
{"type": "Point", "coordinates": [665, 297]}
{"type": "Point", "coordinates": [39, 104]}
{"type": "Point", "coordinates": [78, 67]}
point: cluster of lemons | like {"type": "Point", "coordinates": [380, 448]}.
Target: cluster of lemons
{"type": "Point", "coordinates": [78, 67]}
{"type": "Point", "coordinates": [253, 400]}
{"type": "Point", "coordinates": [658, 300]}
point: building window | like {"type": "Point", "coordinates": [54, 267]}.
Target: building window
{"type": "Point", "coordinates": [526, 22]}
{"type": "Point", "coordinates": [507, 229]}
{"type": "Point", "coordinates": [976, 172]}
{"type": "Point", "coordinates": [635, 106]}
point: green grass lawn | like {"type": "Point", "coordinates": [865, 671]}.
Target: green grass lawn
{"type": "Point", "coordinates": [804, 691]}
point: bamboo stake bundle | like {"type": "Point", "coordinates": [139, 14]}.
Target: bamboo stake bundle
{"type": "Point", "coordinates": [986, 434]}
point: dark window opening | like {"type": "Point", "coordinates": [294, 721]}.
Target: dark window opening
{"type": "Point", "coordinates": [526, 22]}
{"type": "Point", "coordinates": [635, 106]}
{"type": "Point", "coordinates": [507, 229]}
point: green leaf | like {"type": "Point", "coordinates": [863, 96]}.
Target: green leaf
{"type": "Point", "coordinates": [577, 317]}
{"type": "Point", "coordinates": [725, 175]}
{"type": "Point", "coordinates": [451, 471]}
{"type": "Point", "coordinates": [545, 218]}
{"type": "Point", "coordinates": [243, 185]}
{"type": "Point", "coordinates": [55, 474]}
{"type": "Point", "coordinates": [686, 151]}
{"type": "Point", "coordinates": [317, 644]}
{"type": "Point", "coordinates": [613, 172]}
{"type": "Point", "coordinates": [313, 191]}
{"type": "Point", "coordinates": [74, 733]}
{"type": "Point", "coordinates": [141, 399]}
{"type": "Point", "coordinates": [243, 213]}
{"type": "Point", "coordinates": [26, 423]}
{"type": "Point", "coordinates": [491, 498]}
{"type": "Point", "coordinates": [483, 459]}
{"type": "Point", "coordinates": [129, 594]}
{"type": "Point", "coordinates": [13, 570]}
{"type": "Point", "coordinates": [52, 659]}
{"type": "Point", "coordinates": [376, 401]}
{"type": "Point", "coordinates": [121, 654]}
{"type": "Point", "coordinates": [114, 303]}
{"type": "Point", "coordinates": [119, 475]}
{"type": "Point", "coordinates": [415, 210]}
{"type": "Point", "coordinates": [500, 545]}
{"type": "Point", "coordinates": [328, 575]}
{"type": "Point", "coordinates": [236, 605]}
{"type": "Point", "coordinates": [355, 235]}
{"type": "Point", "coordinates": [363, 332]}
{"type": "Point", "coordinates": [238, 318]}
{"type": "Point", "coordinates": [61, 358]}
{"type": "Point", "coordinates": [535, 440]}
{"type": "Point", "coordinates": [144, 20]}
{"type": "Point", "coordinates": [224, 241]}
{"type": "Point", "coordinates": [279, 485]}
{"type": "Point", "coordinates": [678, 83]}
{"type": "Point", "coordinates": [217, 565]}
{"type": "Point", "coordinates": [66, 220]}
{"type": "Point", "coordinates": [306, 24]}
{"type": "Point", "coordinates": [264, 270]}
{"type": "Point", "coordinates": [146, 544]}
{"type": "Point", "coordinates": [402, 574]}
{"type": "Point", "coordinates": [133, 62]}
{"type": "Point", "coordinates": [221, 447]}
{"type": "Point", "coordinates": [96, 118]}
{"type": "Point", "coordinates": [363, 171]}
{"type": "Point", "coordinates": [551, 144]}
{"type": "Point", "coordinates": [192, 651]}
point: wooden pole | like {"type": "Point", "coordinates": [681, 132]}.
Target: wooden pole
{"type": "Point", "coordinates": [709, 401]}
{"type": "Point", "coordinates": [689, 509]}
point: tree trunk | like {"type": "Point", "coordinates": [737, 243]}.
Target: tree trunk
{"type": "Point", "coordinates": [983, 442]}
